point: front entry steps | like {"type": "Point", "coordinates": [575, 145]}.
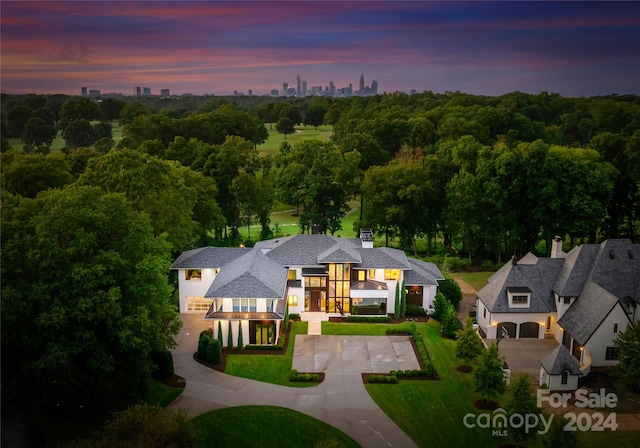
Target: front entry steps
{"type": "Point", "coordinates": [315, 320]}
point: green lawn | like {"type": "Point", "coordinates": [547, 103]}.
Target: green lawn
{"type": "Point", "coordinates": [271, 146]}
{"type": "Point", "coordinates": [160, 394]}
{"type": "Point", "coordinates": [267, 426]}
{"type": "Point", "coordinates": [268, 368]}
{"type": "Point", "coordinates": [359, 329]}
{"type": "Point", "coordinates": [59, 143]}
{"type": "Point", "coordinates": [476, 279]}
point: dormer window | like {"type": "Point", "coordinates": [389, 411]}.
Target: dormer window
{"type": "Point", "coordinates": [519, 297]}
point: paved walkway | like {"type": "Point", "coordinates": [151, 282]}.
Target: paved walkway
{"type": "Point", "coordinates": [341, 400]}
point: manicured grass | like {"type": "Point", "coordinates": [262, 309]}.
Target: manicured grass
{"type": "Point", "coordinates": [268, 368]}
{"type": "Point", "coordinates": [302, 133]}
{"type": "Point", "coordinates": [359, 329]}
{"type": "Point", "coordinates": [432, 412]}
{"type": "Point", "coordinates": [160, 394]}
{"type": "Point", "coordinates": [476, 279]}
{"type": "Point", "coordinates": [262, 426]}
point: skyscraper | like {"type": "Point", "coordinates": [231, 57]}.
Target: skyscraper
{"type": "Point", "coordinates": [374, 87]}
{"type": "Point", "coordinates": [84, 91]}
{"type": "Point", "coordinates": [137, 91]}
{"type": "Point", "coordinates": [298, 86]}
{"type": "Point", "coordinates": [361, 93]}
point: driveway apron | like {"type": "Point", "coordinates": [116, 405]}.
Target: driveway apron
{"type": "Point", "coordinates": [341, 400]}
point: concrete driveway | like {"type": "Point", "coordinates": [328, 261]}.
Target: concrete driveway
{"type": "Point", "coordinates": [341, 400]}
{"type": "Point", "coordinates": [523, 355]}
{"type": "Point", "coordinates": [353, 354]}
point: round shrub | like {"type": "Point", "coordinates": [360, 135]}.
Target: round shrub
{"type": "Point", "coordinates": [300, 377]}
{"type": "Point", "coordinates": [307, 377]}
{"type": "Point", "coordinates": [293, 375]}
{"type": "Point", "coordinates": [408, 372]}
{"type": "Point", "coordinates": [164, 364]}
{"type": "Point", "coordinates": [315, 377]}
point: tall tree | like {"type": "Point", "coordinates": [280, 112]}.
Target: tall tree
{"type": "Point", "coordinates": [285, 126]}
{"type": "Point", "coordinates": [520, 399]}
{"type": "Point", "coordinates": [628, 343]}
{"type": "Point", "coordinates": [469, 345]}
{"type": "Point", "coordinates": [154, 186]}
{"type": "Point", "coordinates": [85, 298]}
{"type": "Point", "coordinates": [29, 174]}
{"type": "Point", "coordinates": [489, 377]}
{"type": "Point", "coordinates": [37, 132]}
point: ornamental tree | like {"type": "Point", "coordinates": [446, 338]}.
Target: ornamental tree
{"type": "Point", "coordinates": [489, 377]}
{"type": "Point", "coordinates": [469, 345]}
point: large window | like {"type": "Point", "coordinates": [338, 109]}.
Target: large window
{"type": "Point", "coordinates": [392, 274]}
{"type": "Point", "coordinates": [262, 333]}
{"type": "Point", "coordinates": [193, 274]}
{"type": "Point", "coordinates": [611, 354]}
{"type": "Point", "coordinates": [362, 275]}
{"type": "Point", "coordinates": [198, 303]}
{"type": "Point", "coordinates": [293, 300]}
{"type": "Point", "coordinates": [339, 287]}
{"type": "Point", "coordinates": [292, 274]}
{"type": "Point", "coordinates": [244, 305]}
{"type": "Point", "coordinates": [315, 282]}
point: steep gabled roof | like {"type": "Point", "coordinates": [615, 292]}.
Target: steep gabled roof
{"type": "Point", "coordinates": [586, 314]}
{"type": "Point", "coordinates": [558, 360]}
{"type": "Point", "coordinates": [207, 257]}
{"type": "Point", "coordinates": [575, 271]}
{"type": "Point", "coordinates": [251, 276]}
{"type": "Point", "coordinates": [422, 273]}
{"type": "Point", "coordinates": [536, 274]}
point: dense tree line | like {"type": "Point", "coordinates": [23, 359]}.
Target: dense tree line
{"type": "Point", "coordinates": [88, 232]}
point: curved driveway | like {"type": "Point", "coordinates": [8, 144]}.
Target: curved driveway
{"type": "Point", "coordinates": [341, 400]}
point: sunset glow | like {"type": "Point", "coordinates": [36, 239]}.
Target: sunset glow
{"type": "Point", "coordinates": [572, 48]}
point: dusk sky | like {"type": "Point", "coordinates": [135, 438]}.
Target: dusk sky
{"type": "Point", "coordinates": [203, 47]}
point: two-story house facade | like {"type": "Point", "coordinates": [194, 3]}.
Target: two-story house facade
{"type": "Point", "coordinates": [310, 273]}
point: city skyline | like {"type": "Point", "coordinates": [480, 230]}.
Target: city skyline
{"type": "Point", "coordinates": [488, 48]}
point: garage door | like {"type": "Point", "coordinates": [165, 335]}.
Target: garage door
{"type": "Point", "coordinates": [509, 326]}
{"type": "Point", "coordinates": [529, 330]}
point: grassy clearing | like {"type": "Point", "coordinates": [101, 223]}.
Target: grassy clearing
{"type": "Point", "coordinates": [260, 426]}
{"type": "Point", "coordinates": [268, 368]}
{"type": "Point", "coordinates": [302, 133]}
{"type": "Point", "coordinates": [476, 279]}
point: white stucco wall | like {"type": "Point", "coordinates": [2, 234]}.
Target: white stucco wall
{"type": "Point", "coordinates": [603, 337]}
{"type": "Point", "coordinates": [196, 288]}
{"type": "Point", "coordinates": [554, 382]}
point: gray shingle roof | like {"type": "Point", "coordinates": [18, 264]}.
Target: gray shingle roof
{"type": "Point", "coordinates": [252, 275]}
{"type": "Point", "coordinates": [422, 273]}
{"type": "Point", "coordinates": [577, 265]}
{"type": "Point", "coordinates": [587, 312]}
{"type": "Point", "coordinates": [537, 274]}
{"type": "Point", "coordinates": [343, 251]}
{"type": "Point", "coordinates": [617, 267]}
{"type": "Point", "coordinates": [560, 359]}
{"type": "Point", "coordinates": [300, 250]}
{"type": "Point", "coordinates": [383, 258]}
{"type": "Point", "coordinates": [207, 257]}
{"type": "Point", "coordinates": [369, 285]}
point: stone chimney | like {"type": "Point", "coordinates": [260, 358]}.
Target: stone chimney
{"type": "Point", "coordinates": [556, 248]}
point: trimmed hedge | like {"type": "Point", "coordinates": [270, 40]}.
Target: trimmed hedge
{"type": "Point", "coordinates": [415, 310]}
{"type": "Point", "coordinates": [389, 379]}
{"type": "Point", "coordinates": [264, 347]}
{"type": "Point", "coordinates": [294, 376]}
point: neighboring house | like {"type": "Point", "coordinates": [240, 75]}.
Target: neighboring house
{"type": "Point", "coordinates": [583, 299]}
{"type": "Point", "coordinates": [313, 273]}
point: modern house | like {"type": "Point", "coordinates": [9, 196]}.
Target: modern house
{"type": "Point", "coordinates": [312, 273]}
{"type": "Point", "coordinates": [582, 298]}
